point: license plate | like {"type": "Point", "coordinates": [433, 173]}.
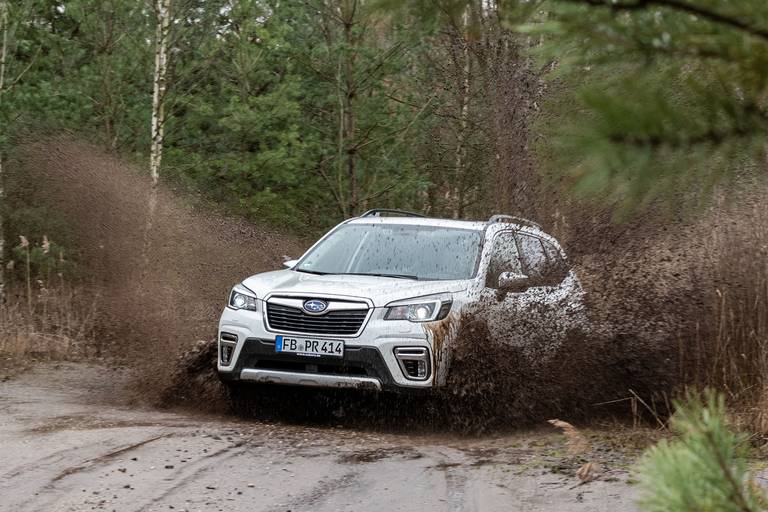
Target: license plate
{"type": "Point", "coordinates": [309, 346]}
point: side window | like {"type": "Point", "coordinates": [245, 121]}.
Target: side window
{"type": "Point", "coordinates": [558, 268]}
{"type": "Point", "coordinates": [504, 258]}
{"type": "Point", "coordinates": [534, 257]}
{"type": "Point", "coordinates": [542, 261]}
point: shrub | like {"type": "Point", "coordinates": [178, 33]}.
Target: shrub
{"type": "Point", "coordinates": [703, 470]}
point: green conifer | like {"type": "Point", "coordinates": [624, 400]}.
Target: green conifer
{"type": "Point", "coordinates": [704, 469]}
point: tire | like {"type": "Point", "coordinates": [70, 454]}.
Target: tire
{"type": "Point", "coordinates": [242, 397]}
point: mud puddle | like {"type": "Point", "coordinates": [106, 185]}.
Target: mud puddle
{"type": "Point", "coordinates": [66, 448]}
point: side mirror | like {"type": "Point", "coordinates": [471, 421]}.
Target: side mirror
{"type": "Point", "coordinates": [514, 282]}
{"type": "Point", "coordinates": [290, 263]}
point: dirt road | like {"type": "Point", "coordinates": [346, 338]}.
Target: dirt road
{"type": "Point", "coordinates": [66, 444]}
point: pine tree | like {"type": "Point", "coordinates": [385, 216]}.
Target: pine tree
{"type": "Point", "coordinates": [704, 470]}
{"type": "Point", "coordinates": [359, 54]}
{"type": "Point", "coordinates": [662, 98]}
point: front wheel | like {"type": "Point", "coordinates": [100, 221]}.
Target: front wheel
{"type": "Point", "coordinates": [243, 397]}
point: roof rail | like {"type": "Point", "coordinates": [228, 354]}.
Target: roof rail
{"type": "Point", "coordinates": [515, 220]}
{"type": "Point", "coordinates": [377, 212]}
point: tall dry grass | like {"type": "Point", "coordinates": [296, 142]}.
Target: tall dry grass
{"type": "Point", "coordinates": [57, 323]}
{"type": "Point", "coordinates": [731, 347]}
{"type": "Point", "coordinates": [41, 315]}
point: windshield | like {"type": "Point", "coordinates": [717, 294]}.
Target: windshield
{"type": "Point", "coordinates": [396, 250]}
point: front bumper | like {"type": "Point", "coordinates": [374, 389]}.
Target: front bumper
{"type": "Point", "coordinates": [361, 367]}
{"type": "Point", "coordinates": [369, 360]}
{"type": "Point", "coordinates": [310, 379]}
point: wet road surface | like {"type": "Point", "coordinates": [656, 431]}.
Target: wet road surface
{"type": "Point", "coordinates": [67, 445]}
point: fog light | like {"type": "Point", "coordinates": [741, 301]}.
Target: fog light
{"type": "Point", "coordinates": [414, 362]}
{"type": "Point", "coordinates": [227, 343]}
{"type": "Point", "coordinates": [226, 354]}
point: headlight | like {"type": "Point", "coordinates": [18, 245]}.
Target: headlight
{"type": "Point", "coordinates": [420, 310]}
{"type": "Point", "coordinates": [242, 298]}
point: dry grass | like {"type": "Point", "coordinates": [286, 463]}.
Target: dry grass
{"type": "Point", "coordinates": [52, 323]}
{"type": "Point", "coordinates": [41, 316]}
{"type": "Point", "coordinates": [731, 345]}
{"type": "Point", "coordinates": [692, 296]}
{"type": "Point", "coordinates": [577, 443]}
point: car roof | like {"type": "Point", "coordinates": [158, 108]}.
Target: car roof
{"type": "Point", "coordinates": [420, 221]}
{"type": "Point", "coordinates": [489, 228]}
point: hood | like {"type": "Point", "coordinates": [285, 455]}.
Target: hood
{"type": "Point", "coordinates": [381, 290]}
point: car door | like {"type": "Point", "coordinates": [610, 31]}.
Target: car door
{"type": "Point", "coordinates": [537, 317]}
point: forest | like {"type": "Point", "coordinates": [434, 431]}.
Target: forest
{"type": "Point", "coordinates": [295, 113]}
{"type": "Point", "coordinates": [633, 130]}
{"type": "Point", "coordinates": [303, 113]}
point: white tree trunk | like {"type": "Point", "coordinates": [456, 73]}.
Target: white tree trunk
{"type": "Point", "coordinates": [162, 31]}
{"type": "Point", "coordinates": [3, 57]}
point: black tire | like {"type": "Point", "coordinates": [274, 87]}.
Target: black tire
{"type": "Point", "coordinates": [242, 397]}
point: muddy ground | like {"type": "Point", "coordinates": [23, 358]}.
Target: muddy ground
{"type": "Point", "coordinates": [68, 445]}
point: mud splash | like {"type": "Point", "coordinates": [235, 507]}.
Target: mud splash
{"type": "Point", "coordinates": [649, 292]}
{"type": "Point", "coordinates": [154, 304]}
{"type": "Point", "coordinates": [157, 305]}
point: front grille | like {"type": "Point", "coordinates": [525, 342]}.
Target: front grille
{"type": "Point", "coordinates": [343, 322]}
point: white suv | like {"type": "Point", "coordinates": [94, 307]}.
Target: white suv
{"type": "Point", "coordinates": [363, 306]}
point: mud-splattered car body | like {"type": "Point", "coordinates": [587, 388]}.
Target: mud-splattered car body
{"type": "Point", "coordinates": [375, 303]}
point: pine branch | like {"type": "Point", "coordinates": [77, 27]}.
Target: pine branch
{"type": "Point", "coordinates": [682, 6]}
{"type": "Point", "coordinates": [24, 71]}
{"type": "Point", "coordinates": [713, 137]}
{"type": "Point", "coordinates": [736, 492]}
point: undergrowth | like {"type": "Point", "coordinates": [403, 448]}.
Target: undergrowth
{"type": "Point", "coordinates": [42, 316]}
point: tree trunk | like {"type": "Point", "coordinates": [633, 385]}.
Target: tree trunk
{"type": "Point", "coordinates": [3, 57]}
{"type": "Point", "coordinates": [461, 148]}
{"type": "Point", "coordinates": [457, 187]}
{"type": "Point", "coordinates": [108, 106]}
{"type": "Point", "coordinates": [344, 201]}
{"type": "Point", "coordinates": [349, 119]}
{"type": "Point", "coordinates": [162, 30]}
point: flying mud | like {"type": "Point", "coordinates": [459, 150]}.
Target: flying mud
{"type": "Point", "coordinates": [161, 282]}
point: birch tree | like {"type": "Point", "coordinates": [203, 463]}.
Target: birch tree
{"type": "Point", "coordinates": [162, 10]}
{"type": "Point", "coordinates": [162, 32]}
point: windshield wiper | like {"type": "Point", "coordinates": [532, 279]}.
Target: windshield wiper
{"type": "Point", "coordinates": [312, 272]}
{"type": "Point", "coordinates": [396, 276]}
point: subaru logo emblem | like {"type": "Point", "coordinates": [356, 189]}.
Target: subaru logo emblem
{"type": "Point", "coordinates": [315, 306]}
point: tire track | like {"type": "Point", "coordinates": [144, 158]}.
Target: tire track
{"type": "Point", "coordinates": [34, 502]}
{"type": "Point", "coordinates": [100, 460]}
{"type": "Point", "coordinates": [206, 462]}
{"type": "Point", "coordinates": [322, 491]}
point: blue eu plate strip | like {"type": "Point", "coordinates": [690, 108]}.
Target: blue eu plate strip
{"type": "Point", "coordinates": [279, 344]}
